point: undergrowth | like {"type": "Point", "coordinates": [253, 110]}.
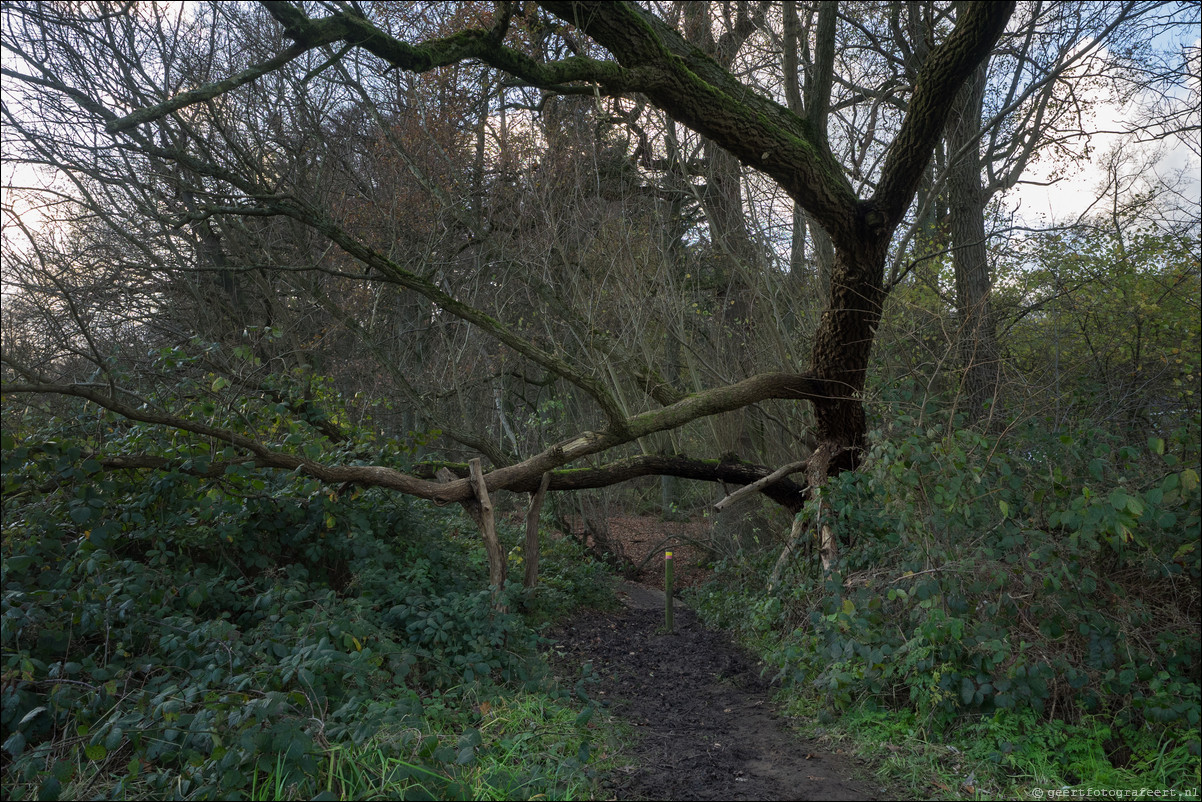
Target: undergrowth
{"type": "Point", "coordinates": [254, 634]}
{"type": "Point", "coordinates": [1008, 613]}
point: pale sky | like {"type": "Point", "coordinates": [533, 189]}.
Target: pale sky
{"type": "Point", "coordinates": [1067, 199]}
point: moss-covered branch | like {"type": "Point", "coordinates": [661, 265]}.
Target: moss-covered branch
{"type": "Point", "coordinates": [699, 92]}
{"type": "Point", "coordinates": [524, 476]}
{"type": "Point", "coordinates": [785, 492]}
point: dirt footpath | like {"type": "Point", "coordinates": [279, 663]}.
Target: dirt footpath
{"type": "Point", "coordinates": [700, 709]}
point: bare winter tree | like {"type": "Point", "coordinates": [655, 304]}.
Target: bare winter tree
{"type": "Point", "coordinates": [213, 142]}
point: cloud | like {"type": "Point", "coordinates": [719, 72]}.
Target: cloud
{"type": "Point", "coordinates": [1061, 190]}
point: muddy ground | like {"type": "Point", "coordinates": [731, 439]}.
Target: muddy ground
{"type": "Point", "coordinates": [700, 710]}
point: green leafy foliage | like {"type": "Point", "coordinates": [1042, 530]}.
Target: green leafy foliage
{"type": "Point", "coordinates": [176, 635]}
{"type": "Point", "coordinates": [1116, 309]}
{"type": "Point", "coordinates": [1058, 580]}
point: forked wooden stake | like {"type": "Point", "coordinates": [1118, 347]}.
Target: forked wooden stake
{"type": "Point", "coordinates": [481, 510]}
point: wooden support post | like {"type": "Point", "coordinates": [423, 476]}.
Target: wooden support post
{"type": "Point", "coordinates": [536, 506]}
{"type": "Point", "coordinates": [828, 543]}
{"type": "Point", "coordinates": [668, 603]}
{"type": "Point", "coordinates": [481, 510]}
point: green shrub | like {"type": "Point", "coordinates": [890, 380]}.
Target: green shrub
{"type": "Point", "coordinates": [1057, 579]}
{"type": "Point", "coordinates": [169, 635]}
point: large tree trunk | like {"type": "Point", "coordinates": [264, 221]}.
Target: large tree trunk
{"type": "Point", "coordinates": [840, 356]}
{"type": "Point", "coordinates": [842, 346]}
{"type": "Point", "coordinates": [977, 334]}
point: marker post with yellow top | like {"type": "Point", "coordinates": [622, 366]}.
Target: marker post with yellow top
{"type": "Point", "coordinates": [668, 571]}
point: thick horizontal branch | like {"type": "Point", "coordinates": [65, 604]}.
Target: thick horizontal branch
{"type": "Point", "coordinates": [522, 477]}
{"type": "Point", "coordinates": [785, 492]}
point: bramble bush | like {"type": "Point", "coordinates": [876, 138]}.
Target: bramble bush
{"type": "Point", "coordinates": [177, 636]}
{"type": "Point", "coordinates": [1047, 575]}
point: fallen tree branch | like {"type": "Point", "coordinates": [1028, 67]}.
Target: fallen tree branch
{"type": "Point", "coordinates": [524, 476]}
{"type": "Point", "coordinates": [760, 484]}
{"type": "Point", "coordinates": [785, 492]}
